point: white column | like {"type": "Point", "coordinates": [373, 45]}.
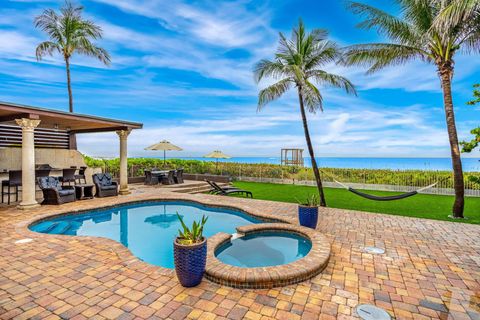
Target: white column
{"type": "Point", "coordinates": [123, 134]}
{"type": "Point", "coordinates": [28, 163]}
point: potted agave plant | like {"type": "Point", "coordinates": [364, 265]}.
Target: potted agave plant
{"type": "Point", "coordinates": [308, 211]}
{"type": "Point", "coordinates": [190, 253]}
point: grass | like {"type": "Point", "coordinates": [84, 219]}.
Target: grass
{"type": "Point", "coordinates": [421, 206]}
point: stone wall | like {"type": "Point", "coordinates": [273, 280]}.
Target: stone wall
{"type": "Point", "coordinates": [11, 158]}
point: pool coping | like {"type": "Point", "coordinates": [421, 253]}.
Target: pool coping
{"type": "Point", "coordinates": [273, 276]}
{"type": "Point", "coordinates": [128, 259]}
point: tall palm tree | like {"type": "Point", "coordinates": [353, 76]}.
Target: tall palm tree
{"type": "Point", "coordinates": [433, 31]}
{"type": "Point", "coordinates": [297, 65]}
{"type": "Point", "coordinates": [69, 33]}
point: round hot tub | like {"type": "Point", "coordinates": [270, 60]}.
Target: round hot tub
{"type": "Point", "coordinates": [266, 255]}
{"type": "Point", "coordinates": [264, 249]}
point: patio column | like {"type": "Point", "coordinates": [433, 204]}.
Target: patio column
{"type": "Point", "coordinates": [123, 134]}
{"type": "Point", "coordinates": [28, 163]}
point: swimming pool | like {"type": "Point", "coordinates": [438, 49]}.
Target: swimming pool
{"type": "Point", "coordinates": [147, 229]}
{"type": "Point", "coordinates": [264, 249]}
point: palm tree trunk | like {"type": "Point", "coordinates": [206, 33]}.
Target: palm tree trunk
{"type": "Point", "coordinates": [318, 179]}
{"type": "Point", "coordinates": [446, 74]}
{"type": "Point", "coordinates": [69, 85]}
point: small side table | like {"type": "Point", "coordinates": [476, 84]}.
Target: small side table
{"type": "Point", "coordinates": [84, 191]}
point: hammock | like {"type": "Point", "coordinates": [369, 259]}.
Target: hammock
{"type": "Point", "coordinates": [387, 198]}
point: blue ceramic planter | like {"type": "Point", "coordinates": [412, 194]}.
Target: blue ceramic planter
{"type": "Point", "coordinates": [190, 261]}
{"type": "Point", "coordinates": [308, 216]}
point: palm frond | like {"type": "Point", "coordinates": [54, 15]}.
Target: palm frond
{"type": "Point", "coordinates": [271, 69]}
{"type": "Point", "coordinates": [46, 48]}
{"type": "Point", "coordinates": [385, 23]}
{"type": "Point", "coordinates": [377, 56]}
{"type": "Point", "coordinates": [273, 92]}
{"type": "Point", "coordinates": [312, 97]}
{"type": "Point", "coordinates": [329, 79]}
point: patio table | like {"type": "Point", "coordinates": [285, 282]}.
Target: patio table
{"type": "Point", "coordinates": [84, 191]}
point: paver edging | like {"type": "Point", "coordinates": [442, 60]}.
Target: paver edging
{"type": "Point", "coordinates": [268, 277]}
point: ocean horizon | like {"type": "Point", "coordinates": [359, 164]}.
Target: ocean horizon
{"type": "Point", "coordinates": [469, 164]}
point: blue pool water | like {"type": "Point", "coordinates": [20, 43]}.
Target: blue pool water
{"type": "Point", "coordinates": [147, 229]}
{"type": "Point", "coordinates": [264, 249]}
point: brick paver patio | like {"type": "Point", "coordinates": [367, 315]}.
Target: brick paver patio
{"type": "Point", "coordinates": [431, 269]}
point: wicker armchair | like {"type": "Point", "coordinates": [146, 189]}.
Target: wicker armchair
{"type": "Point", "coordinates": [54, 192]}
{"type": "Point", "coordinates": [104, 185]}
{"type": "Point", "coordinates": [178, 176]}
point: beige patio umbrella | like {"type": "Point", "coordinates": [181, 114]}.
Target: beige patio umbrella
{"type": "Point", "coordinates": [165, 146]}
{"type": "Point", "coordinates": [217, 154]}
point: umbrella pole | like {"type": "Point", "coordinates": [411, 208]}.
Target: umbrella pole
{"type": "Point", "coordinates": [164, 153]}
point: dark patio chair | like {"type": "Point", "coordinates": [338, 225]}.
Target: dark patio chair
{"type": "Point", "coordinates": [150, 179]}
{"type": "Point", "coordinates": [178, 176]}
{"type": "Point", "coordinates": [168, 178]}
{"type": "Point", "coordinates": [216, 188]}
{"type": "Point", "coordinates": [225, 191]}
{"type": "Point", "coordinates": [54, 192]}
{"type": "Point", "coordinates": [81, 175]}
{"type": "Point", "coordinates": [104, 185]}
{"type": "Point", "coordinates": [14, 181]}
{"type": "Point", "coordinates": [68, 176]}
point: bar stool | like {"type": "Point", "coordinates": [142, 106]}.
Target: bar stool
{"type": "Point", "coordinates": [14, 180]}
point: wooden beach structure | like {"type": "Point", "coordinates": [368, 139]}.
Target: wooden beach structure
{"type": "Point", "coordinates": [292, 157]}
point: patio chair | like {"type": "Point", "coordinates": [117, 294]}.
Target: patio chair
{"type": "Point", "coordinates": [217, 189]}
{"type": "Point", "coordinates": [14, 181]}
{"type": "Point", "coordinates": [81, 175]}
{"type": "Point", "coordinates": [225, 191]}
{"type": "Point", "coordinates": [178, 176]}
{"type": "Point", "coordinates": [68, 176]}
{"type": "Point", "coordinates": [104, 185]}
{"type": "Point", "coordinates": [54, 192]}
{"type": "Point", "coordinates": [150, 179]}
{"type": "Point", "coordinates": [168, 178]}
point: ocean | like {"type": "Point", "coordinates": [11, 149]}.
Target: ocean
{"type": "Point", "coordinates": [469, 164]}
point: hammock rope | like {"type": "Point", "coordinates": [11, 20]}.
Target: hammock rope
{"type": "Point", "coordinates": [379, 198]}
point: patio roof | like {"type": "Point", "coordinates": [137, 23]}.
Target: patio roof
{"type": "Point", "coordinates": [54, 119]}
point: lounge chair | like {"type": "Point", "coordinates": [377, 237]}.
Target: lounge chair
{"type": "Point", "coordinates": [104, 185]}
{"type": "Point", "coordinates": [54, 192]}
{"type": "Point", "coordinates": [224, 191]}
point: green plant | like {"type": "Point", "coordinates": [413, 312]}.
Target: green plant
{"type": "Point", "coordinates": [432, 31]}
{"type": "Point", "coordinates": [311, 200]}
{"type": "Point", "coordinates": [298, 64]}
{"type": "Point", "coordinates": [191, 236]}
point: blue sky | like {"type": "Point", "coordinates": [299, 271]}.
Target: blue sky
{"type": "Point", "coordinates": [184, 69]}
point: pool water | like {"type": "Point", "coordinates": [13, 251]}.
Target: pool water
{"type": "Point", "coordinates": [147, 229]}
{"type": "Point", "coordinates": [264, 249]}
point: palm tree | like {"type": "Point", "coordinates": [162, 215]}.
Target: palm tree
{"type": "Point", "coordinates": [432, 31]}
{"type": "Point", "coordinates": [69, 33]}
{"type": "Point", "coordinates": [297, 64]}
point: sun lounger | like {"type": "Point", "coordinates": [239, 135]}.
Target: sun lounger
{"type": "Point", "coordinates": [224, 191]}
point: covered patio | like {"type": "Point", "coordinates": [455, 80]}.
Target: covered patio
{"type": "Point", "coordinates": [52, 133]}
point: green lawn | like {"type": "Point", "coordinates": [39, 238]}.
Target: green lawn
{"type": "Point", "coordinates": [421, 205]}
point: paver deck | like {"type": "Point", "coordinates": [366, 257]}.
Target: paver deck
{"type": "Point", "coordinates": [430, 270]}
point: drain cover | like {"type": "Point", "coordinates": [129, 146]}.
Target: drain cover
{"type": "Point", "coordinates": [371, 312]}
{"type": "Point", "coordinates": [374, 250]}
{"type": "Point", "coordinates": [26, 240]}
